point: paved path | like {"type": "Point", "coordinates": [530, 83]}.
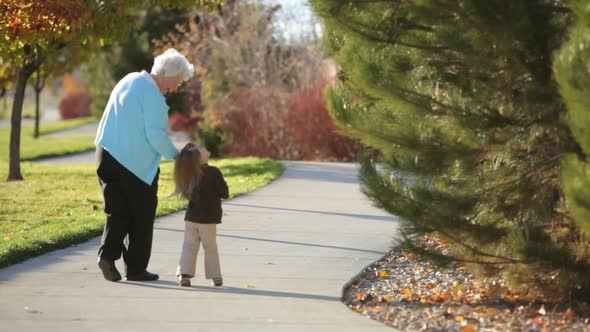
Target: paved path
{"type": "Point", "coordinates": [87, 128]}
{"type": "Point", "coordinates": [178, 138]}
{"type": "Point", "coordinates": [286, 251]}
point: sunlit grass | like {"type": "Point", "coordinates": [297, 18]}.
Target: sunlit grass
{"type": "Point", "coordinates": [60, 205]}
{"type": "Point", "coordinates": [47, 146]}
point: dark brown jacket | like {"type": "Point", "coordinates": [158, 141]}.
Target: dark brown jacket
{"type": "Point", "coordinates": [204, 206]}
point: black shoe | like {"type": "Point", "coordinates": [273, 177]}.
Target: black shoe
{"type": "Point", "coordinates": [143, 276]}
{"type": "Point", "coordinates": [109, 271]}
{"type": "Point", "coordinates": [217, 282]}
{"type": "Point", "coordinates": [184, 280]}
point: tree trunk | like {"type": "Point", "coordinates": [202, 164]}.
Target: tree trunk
{"type": "Point", "coordinates": [4, 101]}
{"type": "Point", "coordinates": [38, 88]}
{"type": "Point", "coordinates": [15, 125]}
{"type": "Point", "coordinates": [35, 57]}
{"type": "Point", "coordinates": [36, 133]}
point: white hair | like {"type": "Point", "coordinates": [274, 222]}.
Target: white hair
{"type": "Point", "coordinates": [172, 63]}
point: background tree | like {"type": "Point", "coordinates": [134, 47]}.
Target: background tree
{"type": "Point", "coordinates": [40, 78]}
{"type": "Point", "coordinates": [99, 80]}
{"type": "Point", "coordinates": [54, 65]}
{"type": "Point", "coordinates": [250, 71]}
{"type": "Point", "coordinates": [32, 30]}
{"type": "Point", "coordinates": [134, 53]}
{"type": "Point", "coordinates": [7, 77]}
{"type": "Point", "coordinates": [460, 100]}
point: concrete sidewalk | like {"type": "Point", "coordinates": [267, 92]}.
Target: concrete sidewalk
{"type": "Point", "coordinates": [286, 251]}
{"type": "Point", "coordinates": [179, 139]}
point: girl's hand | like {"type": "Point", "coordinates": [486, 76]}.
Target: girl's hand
{"type": "Point", "coordinates": [204, 155]}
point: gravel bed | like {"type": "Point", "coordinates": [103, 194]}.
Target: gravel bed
{"type": "Point", "coordinates": [413, 295]}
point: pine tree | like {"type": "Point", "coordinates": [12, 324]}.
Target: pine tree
{"type": "Point", "coordinates": [460, 100]}
{"type": "Point", "coordinates": [574, 80]}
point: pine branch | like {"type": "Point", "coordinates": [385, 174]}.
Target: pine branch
{"type": "Point", "coordinates": [372, 38]}
{"type": "Point", "coordinates": [438, 256]}
{"type": "Point", "coordinates": [487, 35]}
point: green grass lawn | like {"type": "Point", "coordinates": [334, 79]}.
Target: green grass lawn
{"type": "Point", "coordinates": [47, 146]}
{"type": "Point", "coordinates": [58, 205]}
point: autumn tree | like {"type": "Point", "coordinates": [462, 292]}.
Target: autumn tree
{"type": "Point", "coordinates": [30, 31]}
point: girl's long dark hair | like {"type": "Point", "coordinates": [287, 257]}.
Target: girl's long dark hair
{"type": "Point", "coordinates": [187, 171]}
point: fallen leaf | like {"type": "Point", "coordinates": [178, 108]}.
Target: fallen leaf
{"type": "Point", "coordinates": [383, 273]}
{"type": "Point", "coordinates": [467, 328]}
{"type": "Point", "coordinates": [430, 285]}
{"type": "Point", "coordinates": [459, 318]}
{"type": "Point", "coordinates": [356, 308]}
{"type": "Point", "coordinates": [436, 298]}
{"type": "Point", "coordinates": [387, 298]}
{"type": "Point", "coordinates": [568, 314]}
{"type": "Point", "coordinates": [408, 255]}
{"type": "Point", "coordinates": [7, 238]}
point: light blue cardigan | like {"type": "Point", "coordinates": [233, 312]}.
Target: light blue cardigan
{"type": "Point", "coordinates": [133, 128]}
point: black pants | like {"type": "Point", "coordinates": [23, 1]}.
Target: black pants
{"type": "Point", "coordinates": [130, 205]}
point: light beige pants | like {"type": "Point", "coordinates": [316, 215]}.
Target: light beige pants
{"type": "Point", "coordinates": [194, 235]}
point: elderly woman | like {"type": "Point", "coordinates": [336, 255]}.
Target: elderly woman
{"type": "Point", "coordinates": [131, 139]}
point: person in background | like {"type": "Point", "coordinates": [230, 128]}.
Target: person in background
{"type": "Point", "coordinates": [132, 138]}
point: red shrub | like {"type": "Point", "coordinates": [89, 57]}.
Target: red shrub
{"type": "Point", "coordinates": [179, 121]}
{"type": "Point", "coordinates": [310, 125]}
{"type": "Point", "coordinates": [75, 105]}
{"type": "Point", "coordinates": [268, 123]}
{"type": "Point", "coordinates": [253, 118]}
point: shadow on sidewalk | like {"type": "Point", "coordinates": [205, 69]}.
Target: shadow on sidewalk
{"type": "Point", "coordinates": [55, 258]}
{"type": "Point", "coordinates": [282, 242]}
{"type": "Point", "coordinates": [353, 215]}
{"type": "Point", "coordinates": [338, 172]}
{"type": "Point", "coordinates": [172, 285]}
{"type": "Point", "coordinates": [302, 244]}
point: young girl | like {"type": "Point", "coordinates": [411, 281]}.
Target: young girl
{"type": "Point", "coordinates": [204, 186]}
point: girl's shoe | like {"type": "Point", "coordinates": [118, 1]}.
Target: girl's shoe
{"type": "Point", "coordinates": [184, 280]}
{"type": "Point", "coordinates": [217, 282]}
